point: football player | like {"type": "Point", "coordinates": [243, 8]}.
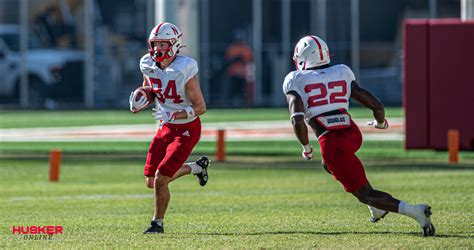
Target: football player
{"type": "Point", "coordinates": [179, 99]}
{"type": "Point", "coordinates": [320, 93]}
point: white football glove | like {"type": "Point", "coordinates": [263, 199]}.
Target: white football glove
{"type": "Point", "coordinates": [307, 153]}
{"type": "Point", "coordinates": [376, 124]}
{"type": "Point", "coordinates": [163, 116]}
{"type": "Point", "coordinates": [136, 106]}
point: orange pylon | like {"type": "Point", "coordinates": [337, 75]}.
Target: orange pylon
{"type": "Point", "coordinates": [453, 146]}
{"type": "Point", "coordinates": [220, 146]}
{"type": "Point", "coordinates": [54, 164]}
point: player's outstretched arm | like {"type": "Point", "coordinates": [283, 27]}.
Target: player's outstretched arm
{"type": "Point", "coordinates": [366, 98]}
{"type": "Point", "coordinates": [296, 107]}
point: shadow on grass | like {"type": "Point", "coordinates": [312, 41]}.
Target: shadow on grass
{"type": "Point", "coordinates": [255, 162]}
{"type": "Point", "coordinates": [417, 166]}
{"type": "Point", "coordinates": [334, 233]}
{"type": "Point", "coordinates": [393, 166]}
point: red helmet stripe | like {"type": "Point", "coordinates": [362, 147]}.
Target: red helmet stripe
{"type": "Point", "coordinates": [175, 31]}
{"type": "Point", "coordinates": [319, 47]}
{"type": "Point", "coordinates": [158, 28]}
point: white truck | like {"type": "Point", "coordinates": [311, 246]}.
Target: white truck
{"type": "Point", "coordinates": [53, 73]}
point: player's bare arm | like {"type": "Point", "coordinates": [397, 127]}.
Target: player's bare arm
{"type": "Point", "coordinates": [194, 94]}
{"type": "Point", "coordinates": [296, 108]}
{"type": "Point", "coordinates": [295, 105]}
{"type": "Point", "coordinates": [367, 99]}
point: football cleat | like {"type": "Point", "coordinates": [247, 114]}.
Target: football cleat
{"type": "Point", "coordinates": [154, 228]}
{"type": "Point", "coordinates": [376, 214]}
{"type": "Point", "coordinates": [203, 162]}
{"type": "Point", "coordinates": [428, 227]}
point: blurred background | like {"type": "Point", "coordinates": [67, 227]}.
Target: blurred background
{"type": "Point", "coordinates": [63, 54]}
{"type": "Point", "coordinates": [72, 154]}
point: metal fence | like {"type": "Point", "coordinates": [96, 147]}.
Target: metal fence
{"type": "Point", "coordinates": [85, 53]}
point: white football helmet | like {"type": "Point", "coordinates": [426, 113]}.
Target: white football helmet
{"type": "Point", "coordinates": [166, 32]}
{"type": "Point", "coordinates": [311, 51]}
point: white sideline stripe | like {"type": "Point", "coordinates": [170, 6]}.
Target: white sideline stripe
{"type": "Point", "coordinates": [142, 133]}
{"type": "Point", "coordinates": [367, 137]}
{"type": "Point", "coordinates": [143, 127]}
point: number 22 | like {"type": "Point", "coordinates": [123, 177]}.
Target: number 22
{"type": "Point", "coordinates": [321, 98]}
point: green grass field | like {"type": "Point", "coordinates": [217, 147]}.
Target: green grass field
{"type": "Point", "coordinates": [270, 203]}
{"type": "Point", "coordinates": [264, 196]}
{"type": "Point", "coordinates": [40, 118]}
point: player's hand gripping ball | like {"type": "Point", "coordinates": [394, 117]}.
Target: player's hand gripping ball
{"type": "Point", "coordinates": [141, 99]}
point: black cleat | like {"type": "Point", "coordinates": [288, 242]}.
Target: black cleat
{"type": "Point", "coordinates": [154, 228]}
{"type": "Point", "coordinates": [203, 161]}
{"type": "Point", "coordinates": [428, 229]}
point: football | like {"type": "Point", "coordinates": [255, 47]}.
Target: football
{"type": "Point", "coordinates": [146, 91]}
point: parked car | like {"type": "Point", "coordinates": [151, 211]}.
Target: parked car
{"type": "Point", "coordinates": [53, 73]}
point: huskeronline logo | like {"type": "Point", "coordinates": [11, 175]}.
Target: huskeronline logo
{"type": "Point", "coordinates": [37, 232]}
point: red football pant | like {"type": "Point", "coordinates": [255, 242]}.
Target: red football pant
{"type": "Point", "coordinates": [338, 149]}
{"type": "Point", "coordinates": [171, 147]}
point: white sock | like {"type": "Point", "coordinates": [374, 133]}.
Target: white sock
{"type": "Point", "coordinates": [195, 168]}
{"type": "Point", "coordinates": [159, 221]}
{"type": "Point", "coordinates": [410, 210]}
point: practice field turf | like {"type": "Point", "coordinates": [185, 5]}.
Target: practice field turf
{"type": "Point", "coordinates": [264, 196]}
{"type": "Point", "coordinates": [370, 150]}
{"type": "Point", "coordinates": [248, 203]}
{"type": "Point", "coordinates": [41, 118]}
